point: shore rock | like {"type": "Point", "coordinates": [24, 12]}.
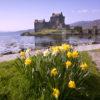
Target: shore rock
{"type": "Point", "coordinates": [26, 34]}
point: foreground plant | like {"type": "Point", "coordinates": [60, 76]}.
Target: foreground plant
{"type": "Point", "coordinates": [57, 73]}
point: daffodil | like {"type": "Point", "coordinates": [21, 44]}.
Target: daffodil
{"type": "Point", "coordinates": [55, 50]}
{"type": "Point", "coordinates": [56, 92]}
{"type": "Point", "coordinates": [66, 47]}
{"type": "Point", "coordinates": [28, 61]}
{"type": "Point", "coordinates": [38, 52]}
{"type": "Point", "coordinates": [69, 54]}
{"type": "Point", "coordinates": [28, 50]}
{"type": "Point", "coordinates": [68, 64]}
{"type": "Point", "coordinates": [71, 84]}
{"type": "Point", "coordinates": [75, 54]}
{"type": "Point", "coordinates": [46, 52]}
{"type": "Point", "coordinates": [84, 66]}
{"type": "Point", "coordinates": [22, 54]}
{"type": "Point", "coordinates": [54, 72]}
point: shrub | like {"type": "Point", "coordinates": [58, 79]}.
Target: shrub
{"type": "Point", "coordinates": [56, 73]}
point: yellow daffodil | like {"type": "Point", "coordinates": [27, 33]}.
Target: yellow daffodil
{"type": "Point", "coordinates": [28, 61]}
{"type": "Point", "coordinates": [22, 53]}
{"type": "Point", "coordinates": [54, 72]}
{"type": "Point", "coordinates": [56, 92]}
{"type": "Point", "coordinates": [71, 84]}
{"type": "Point", "coordinates": [68, 64]}
{"type": "Point", "coordinates": [55, 50]}
{"type": "Point", "coordinates": [66, 47]}
{"type": "Point", "coordinates": [69, 54]}
{"type": "Point", "coordinates": [75, 54]}
{"type": "Point", "coordinates": [60, 48]}
{"type": "Point", "coordinates": [84, 66]}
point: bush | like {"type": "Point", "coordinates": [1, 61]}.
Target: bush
{"type": "Point", "coordinates": [57, 73]}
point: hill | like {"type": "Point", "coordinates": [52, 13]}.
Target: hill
{"type": "Point", "coordinates": [87, 24]}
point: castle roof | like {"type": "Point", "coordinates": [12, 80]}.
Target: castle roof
{"type": "Point", "coordinates": [56, 14]}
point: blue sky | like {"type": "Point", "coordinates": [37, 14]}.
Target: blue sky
{"type": "Point", "coordinates": [20, 14]}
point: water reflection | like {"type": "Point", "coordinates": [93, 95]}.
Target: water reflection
{"type": "Point", "coordinates": [46, 41]}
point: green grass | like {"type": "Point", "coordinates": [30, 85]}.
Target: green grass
{"type": "Point", "coordinates": [93, 82]}
{"type": "Point", "coordinates": [44, 32]}
{"type": "Point", "coordinates": [48, 31]}
{"type": "Point", "coordinates": [13, 85]}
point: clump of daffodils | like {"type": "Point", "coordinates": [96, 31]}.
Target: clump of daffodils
{"type": "Point", "coordinates": [55, 50]}
{"type": "Point", "coordinates": [60, 81]}
{"type": "Point", "coordinates": [73, 54]}
{"type": "Point", "coordinates": [66, 47]}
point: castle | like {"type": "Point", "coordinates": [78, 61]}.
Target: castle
{"type": "Point", "coordinates": [57, 21]}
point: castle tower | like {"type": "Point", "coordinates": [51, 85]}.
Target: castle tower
{"type": "Point", "coordinates": [57, 20]}
{"type": "Point", "coordinates": [39, 25]}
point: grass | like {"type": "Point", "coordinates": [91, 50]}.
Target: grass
{"type": "Point", "coordinates": [43, 32]}
{"type": "Point", "coordinates": [13, 85]}
{"type": "Point", "coordinates": [48, 31]}
{"type": "Point", "coordinates": [93, 83]}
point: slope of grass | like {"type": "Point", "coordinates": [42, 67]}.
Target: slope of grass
{"type": "Point", "coordinates": [13, 85]}
{"type": "Point", "coordinates": [93, 82]}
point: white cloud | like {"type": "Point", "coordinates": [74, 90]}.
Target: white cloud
{"type": "Point", "coordinates": [86, 11]}
{"type": "Point", "coordinates": [83, 11]}
{"type": "Point", "coordinates": [95, 11]}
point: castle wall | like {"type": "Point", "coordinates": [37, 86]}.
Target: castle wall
{"type": "Point", "coordinates": [39, 25]}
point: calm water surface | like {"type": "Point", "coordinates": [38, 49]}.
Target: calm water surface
{"type": "Point", "coordinates": [13, 42]}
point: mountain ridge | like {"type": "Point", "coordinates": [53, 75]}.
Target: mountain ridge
{"type": "Point", "coordinates": [87, 24]}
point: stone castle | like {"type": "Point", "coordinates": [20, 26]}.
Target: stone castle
{"type": "Point", "coordinates": [57, 21]}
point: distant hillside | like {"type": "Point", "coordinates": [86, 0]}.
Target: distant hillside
{"type": "Point", "coordinates": [16, 32]}
{"type": "Point", "coordinates": [28, 30]}
{"type": "Point", "coordinates": [87, 24]}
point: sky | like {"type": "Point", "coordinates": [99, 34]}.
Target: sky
{"type": "Point", "coordinates": [20, 14]}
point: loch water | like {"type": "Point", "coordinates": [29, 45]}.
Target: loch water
{"type": "Point", "coordinates": [12, 42]}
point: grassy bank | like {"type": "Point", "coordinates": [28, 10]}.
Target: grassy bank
{"type": "Point", "coordinates": [43, 32]}
{"type": "Point", "coordinates": [93, 82]}
{"type": "Point", "coordinates": [48, 31]}
{"type": "Point", "coordinates": [14, 86]}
